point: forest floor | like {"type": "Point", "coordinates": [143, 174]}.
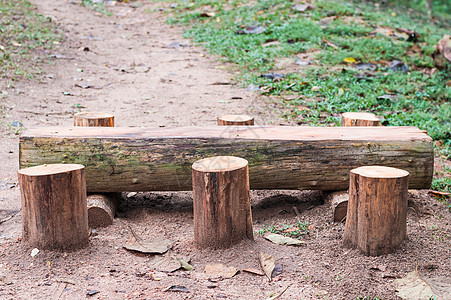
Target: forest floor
{"type": "Point", "coordinates": [134, 65]}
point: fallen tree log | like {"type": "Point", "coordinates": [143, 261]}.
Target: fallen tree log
{"type": "Point", "coordinates": [159, 159]}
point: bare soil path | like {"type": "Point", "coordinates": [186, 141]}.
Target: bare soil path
{"type": "Point", "coordinates": [140, 69]}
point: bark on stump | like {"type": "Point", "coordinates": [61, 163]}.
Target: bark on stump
{"type": "Point", "coordinates": [93, 119]}
{"type": "Point", "coordinates": [101, 209]}
{"type": "Point", "coordinates": [377, 209]}
{"type": "Point", "coordinates": [54, 211]}
{"type": "Point", "coordinates": [222, 209]}
{"type": "Point", "coordinates": [350, 119]}
{"type": "Point", "coordinates": [230, 120]}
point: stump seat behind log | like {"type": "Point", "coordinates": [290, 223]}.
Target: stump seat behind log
{"type": "Point", "coordinates": [222, 209]}
{"type": "Point", "coordinates": [93, 119]}
{"type": "Point", "coordinates": [377, 209]}
{"type": "Point", "coordinates": [350, 119]}
{"type": "Point", "coordinates": [101, 207]}
{"type": "Point", "coordinates": [54, 211]}
{"type": "Point", "coordinates": [230, 120]}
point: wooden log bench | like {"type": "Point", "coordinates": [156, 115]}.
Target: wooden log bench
{"type": "Point", "coordinates": [159, 159]}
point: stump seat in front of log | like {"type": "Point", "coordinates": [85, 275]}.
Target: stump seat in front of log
{"type": "Point", "coordinates": [222, 209]}
{"type": "Point", "coordinates": [54, 210]}
{"type": "Point", "coordinates": [231, 120]}
{"type": "Point", "coordinates": [376, 219]}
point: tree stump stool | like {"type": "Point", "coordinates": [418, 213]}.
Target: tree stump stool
{"type": "Point", "coordinates": [350, 119]}
{"type": "Point", "coordinates": [54, 211]}
{"type": "Point", "coordinates": [93, 119]}
{"type": "Point", "coordinates": [101, 207]}
{"type": "Point", "coordinates": [230, 120]}
{"type": "Point", "coordinates": [222, 209]}
{"type": "Point", "coordinates": [377, 210]}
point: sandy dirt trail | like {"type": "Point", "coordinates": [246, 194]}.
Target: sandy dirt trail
{"type": "Point", "coordinates": [131, 64]}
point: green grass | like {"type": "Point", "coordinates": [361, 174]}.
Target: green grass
{"type": "Point", "coordinates": [330, 33]}
{"type": "Point", "coordinates": [23, 33]}
{"type": "Point", "coordinates": [97, 6]}
{"type": "Point", "coordinates": [296, 230]}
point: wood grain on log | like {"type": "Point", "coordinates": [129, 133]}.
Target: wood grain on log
{"type": "Point", "coordinates": [159, 159]}
{"type": "Point", "coordinates": [377, 209]}
{"type": "Point", "coordinates": [222, 208]}
{"type": "Point", "coordinates": [54, 212]}
{"type": "Point", "coordinates": [359, 119]}
{"type": "Point", "coordinates": [93, 119]}
{"type": "Point", "coordinates": [231, 120]}
{"type": "Point", "coordinates": [101, 209]}
{"type": "Point", "coordinates": [339, 205]}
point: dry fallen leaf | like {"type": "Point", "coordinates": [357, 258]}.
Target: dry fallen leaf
{"type": "Point", "coordinates": [158, 246]}
{"type": "Point", "coordinates": [416, 287]}
{"type": "Point", "coordinates": [281, 240]}
{"type": "Point", "coordinates": [254, 271]}
{"type": "Point", "coordinates": [220, 270]}
{"type": "Point", "coordinates": [267, 262]}
{"type": "Point", "coordinates": [163, 264]}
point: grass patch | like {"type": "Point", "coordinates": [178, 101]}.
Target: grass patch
{"type": "Point", "coordinates": [23, 32]}
{"type": "Point", "coordinates": [297, 230]}
{"type": "Point", "coordinates": [330, 35]}
{"type": "Point", "coordinates": [98, 6]}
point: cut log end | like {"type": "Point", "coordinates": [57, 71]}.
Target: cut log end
{"type": "Point", "coordinates": [101, 209]}
{"type": "Point", "coordinates": [350, 119]}
{"type": "Point", "coordinates": [235, 120]}
{"type": "Point", "coordinates": [380, 172]}
{"type": "Point", "coordinates": [93, 119]}
{"type": "Point", "coordinates": [220, 164]}
{"type": "Point", "coordinates": [50, 169]}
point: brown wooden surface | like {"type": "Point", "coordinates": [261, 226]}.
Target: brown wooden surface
{"type": "Point", "coordinates": [222, 209]}
{"type": "Point", "coordinates": [101, 209]}
{"type": "Point", "coordinates": [339, 205]}
{"type": "Point", "coordinates": [93, 119]}
{"type": "Point", "coordinates": [54, 213]}
{"type": "Point", "coordinates": [377, 209]}
{"type": "Point", "coordinates": [359, 119]}
{"type": "Point", "coordinates": [159, 159]}
{"type": "Point", "coordinates": [233, 120]}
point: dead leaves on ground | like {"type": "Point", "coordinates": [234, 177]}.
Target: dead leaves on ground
{"type": "Point", "coordinates": [282, 240]}
{"type": "Point", "coordinates": [169, 263]}
{"type": "Point", "coordinates": [158, 246]}
{"type": "Point", "coordinates": [220, 271]}
{"type": "Point", "coordinates": [268, 263]}
{"type": "Point", "coordinates": [416, 287]}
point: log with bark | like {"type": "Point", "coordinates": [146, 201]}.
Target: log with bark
{"type": "Point", "coordinates": [159, 159]}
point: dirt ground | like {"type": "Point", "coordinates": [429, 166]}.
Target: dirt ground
{"type": "Point", "coordinates": [142, 70]}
